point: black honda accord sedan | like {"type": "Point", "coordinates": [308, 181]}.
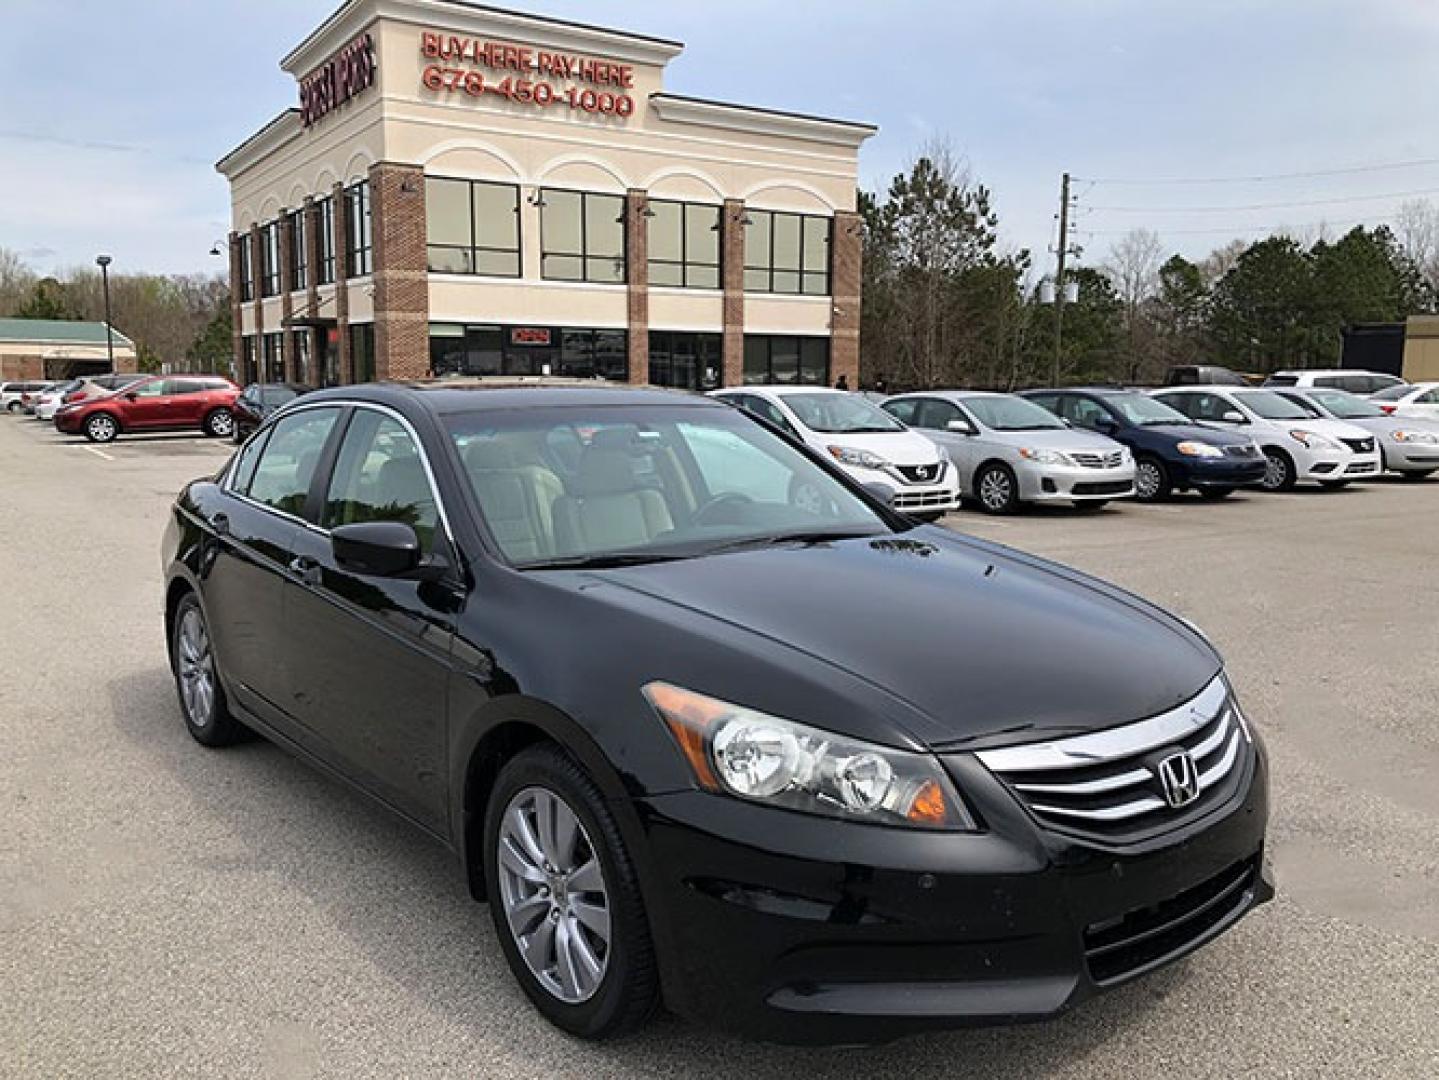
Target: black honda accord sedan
{"type": "Point", "coordinates": [814, 775]}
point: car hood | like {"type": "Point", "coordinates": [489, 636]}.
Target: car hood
{"type": "Point", "coordinates": [1217, 434]}
{"type": "Point", "coordinates": [1053, 439]}
{"type": "Point", "coordinates": [897, 447]}
{"type": "Point", "coordinates": [978, 642]}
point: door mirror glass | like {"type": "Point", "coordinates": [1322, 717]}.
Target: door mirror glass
{"type": "Point", "coordinates": [1105, 423]}
{"type": "Point", "coordinates": [964, 427]}
{"type": "Point", "coordinates": [1234, 416]}
{"type": "Point", "coordinates": [381, 548]}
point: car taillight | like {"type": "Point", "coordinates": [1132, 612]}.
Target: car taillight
{"type": "Point", "coordinates": [1388, 408]}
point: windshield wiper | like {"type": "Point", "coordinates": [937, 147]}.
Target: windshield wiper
{"type": "Point", "coordinates": [806, 536]}
{"type": "Point", "coordinates": [606, 562]}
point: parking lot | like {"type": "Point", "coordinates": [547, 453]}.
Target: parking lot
{"type": "Point", "coordinates": [167, 910]}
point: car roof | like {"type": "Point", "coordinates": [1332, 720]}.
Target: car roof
{"type": "Point", "coordinates": [466, 395]}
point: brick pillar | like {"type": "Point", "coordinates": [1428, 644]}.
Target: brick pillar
{"type": "Point", "coordinates": [402, 279]}
{"type": "Point", "coordinates": [342, 284]}
{"type": "Point", "coordinates": [237, 333]}
{"type": "Point", "coordinates": [845, 256]}
{"type": "Point", "coordinates": [257, 273]}
{"type": "Point", "coordinates": [732, 267]}
{"type": "Point", "coordinates": [310, 236]}
{"type": "Point", "coordinates": [287, 303]}
{"type": "Point", "coordinates": [637, 253]}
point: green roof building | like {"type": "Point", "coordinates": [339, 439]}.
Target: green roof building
{"type": "Point", "coordinates": [59, 349]}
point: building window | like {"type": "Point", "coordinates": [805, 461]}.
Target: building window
{"type": "Point", "coordinates": [249, 360]}
{"type": "Point", "coordinates": [325, 210]}
{"type": "Point", "coordinates": [582, 236]}
{"type": "Point", "coordinates": [456, 349]}
{"type": "Point", "coordinates": [787, 361]}
{"type": "Point", "coordinates": [786, 253]}
{"type": "Point", "coordinates": [685, 360]}
{"type": "Point", "coordinates": [684, 245]}
{"type": "Point", "coordinates": [300, 344]}
{"type": "Point", "coordinates": [247, 270]}
{"type": "Point", "coordinates": [274, 355]}
{"type": "Point", "coordinates": [594, 354]}
{"type": "Point", "coordinates": [358, 231]}
{"type": "Point", "coordinates": [270, 259]}
{"type": "Point", "coordinates": [472, 227]}
{"type": "Point", "coordinates": [299, 257]}
{"type": "Point", "coordinates": [362, 351]}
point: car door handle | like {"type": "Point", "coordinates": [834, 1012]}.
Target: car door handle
{"type": "Point", "coordinates": [221, 524]}
{"type": "Point", "coordinates": [306, 569]}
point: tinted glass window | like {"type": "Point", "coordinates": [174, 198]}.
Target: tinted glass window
{"type": "Point", "coordinates": [245, 464]}
{"type": "Point", "coordinates": [1145, 410]}
{"type": "Point", "coordinates": [287, 465]}
{"type": "Point", "coordinates": [1332, 382]}
{"type": "Point", "coordinates": [153, 388]}
{"type": "Point", "coordinates": [1083, 411]}
{"type": "Point", "coordinates": [1004, 413]}
{"type": "Point", "coordinates": [1431, 398]}
{"type": "Point", "coordinates": [1392, 393]}
{"type": "Point", "coordinates": [1271, 406]}
{"type": "Point", "coordinates": [379, 476]}
{"type": "Point", "coordinates": [582, 236]}
{"type": "Point", "coordinates": [935, 414]}
{"type": "Point", "coordinates": [1283, 380]}
{"type": "Point", "coordinates": [903, 410]}
{"type": "Point", "coordinates": [840, 413]}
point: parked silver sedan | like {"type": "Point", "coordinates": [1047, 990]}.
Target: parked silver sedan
{"type": "Point", "coordinates": [1010, 451]}
{"type": "Point", "coordinates": [1407, 445]}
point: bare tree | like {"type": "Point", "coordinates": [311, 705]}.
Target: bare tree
{"type": "Point", "coordinates": [1221, 260]}
{"type": "Point", "coordinates": [1416, 227]}
{"type": "Point", "coordinates": [16, 281]}
{"type": "Point", "coordinates": [1133, 269]}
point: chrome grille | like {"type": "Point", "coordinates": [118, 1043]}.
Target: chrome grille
{"type": "Point", "coordinates": [921, 474]}
{"type": "Point", "coordinates": [1360, 446]}
{"type": "Point", "coordinates": [1105, 460]}
{"type": "Point", "coordinates": [1107, 784]}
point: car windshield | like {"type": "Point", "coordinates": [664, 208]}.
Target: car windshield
{"type": "Point", "coordinates": [567, 486]}
{"type": "Point", "coordinates": [1392, 393]}
{"type": "Point", "coordinates": [1144, 410]}
{"type": "Point", "coordinates": [838, 414]}
{"type": "Point", "coordinates": [1006, 413]}
{"type": "Point", "coordinates": [1270, 406]}
{"type": "Point", "coordinates": [1346, 406]}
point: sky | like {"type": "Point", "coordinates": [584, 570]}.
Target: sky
{"type": "Point", "coordinates": [112, 114]}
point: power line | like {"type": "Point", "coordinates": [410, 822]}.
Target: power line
{"type": "Point", "coordinates": [1263, 206]}
{"type": "Point", "coordinates": [1278, 227]}
{"type": "Point", "coordinates": [1264, 178]}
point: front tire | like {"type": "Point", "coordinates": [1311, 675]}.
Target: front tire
{"type": "Point", "coordinates": [1091, 506]}
{"type": "Point", "coordinates": [220, 424]}
{"type": "Point", "coordinates": [1151, 480]}
{"type": "Point", "coordinates": [1279, 474]}
{"type": "Point", "coordinates": [565, 898]}
{"type": "Point", "coordinates": [1214, 494]}
{"type": "Point", "coordinates": [1412, 477]}
{"type": "Point", "coordinates": [102, 428]}
{"type": "Point", "coordinates": [197, 679]}
{"type": "Point", "coordinates": [997, 490]}
{"type": "Point", "coordinates": [1334, 485]}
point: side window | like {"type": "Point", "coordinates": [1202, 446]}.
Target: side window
{"type": "Point", "coordinates": [182, 386]}
{"type": "Point", "coordinates": [1053, 402]}
{"type": "Point", "coordinates": [380, 476]}
{"type": "Point", "coordinates": [153, 388]}
{"type": "Point", "coordinates": [935, 414]}
{"type": "Point", "coordinates": [287, 463]}
{"type": "Point", "coordinates": [1330, 382]}
{"type": "Point", "coordinates": [1183, 403]}
{"type": "Point", "coordinates": [902, 410]}
{"type": "Point", "coordinates": [245, 465]}
{"type": "Point", "coordinates": [1083, 411]}
{"type": "Point", "coordinates": [770, 411]}
{"type": "Point", "coordinates": [1431, 398]}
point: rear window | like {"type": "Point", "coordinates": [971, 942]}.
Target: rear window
{"type": "Point", "coordinates": [1392, 393]}
{"type": "Point", "coordinates": [1282, 380]}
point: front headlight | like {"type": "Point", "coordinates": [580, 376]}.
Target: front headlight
{"type": "Point", "coordinates": [862, 459]}
{"type": "Point", "coordinates": [1199, 449]}
{"type": "Point", "coordinates": [1312, 440]}
{"type": "Point", "coordinates": [765, 759]}
{"type": "Point", "coordinates": [1044, 457]}
{"type": "Point", "coordinates": [1414, 436]}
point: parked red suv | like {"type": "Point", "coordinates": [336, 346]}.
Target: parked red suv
{"type": "Point", "coordinates": [159, 403]}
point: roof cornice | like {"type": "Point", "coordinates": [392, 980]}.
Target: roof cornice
{"type": "Point", "coordinates": [277, 133]}
{"type": "Point", "coordinates": [354, 16]}
{"type": "Point", "coordinates": [677, 109]}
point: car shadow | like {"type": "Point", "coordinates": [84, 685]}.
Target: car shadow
{"type": "Point", "coordinates": [399, 898]}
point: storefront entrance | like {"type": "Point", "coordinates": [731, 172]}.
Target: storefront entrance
{"type": "Point", "coordinates": [459, 349]}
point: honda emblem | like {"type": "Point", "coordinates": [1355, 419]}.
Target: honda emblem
{"type": "Point", "coordinates": [1179, 778]}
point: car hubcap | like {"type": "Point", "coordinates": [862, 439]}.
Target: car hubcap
{"type": "Point", "coordinates": [197, 669]}
{"type": "Point", "coordinates": [1147, 480]}
{"type": "Point", "coordinates": [222, 423]}
{"type": "Point", "coordinates": [554, 897]}
{"type": "Point", "coordinates": [102, 427]}
{"type": "Point", "coordinates": [994, 490]}
{"type": "Point", "coordinates": [1275, 471]}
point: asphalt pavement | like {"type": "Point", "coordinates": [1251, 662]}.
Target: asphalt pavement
{"type": "Point", "coordinates": [171, 911]}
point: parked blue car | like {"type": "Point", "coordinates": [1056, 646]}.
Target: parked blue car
{"type": "Point", "coordinates": [1171, 452]}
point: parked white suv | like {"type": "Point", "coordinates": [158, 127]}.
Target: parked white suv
{"type": "Point", "coordinates": [1351, 379]}
{"type": "Point", "coordinates": [866, 441]}
{"type": "Point", "coordinates": [1297, 446]}
{"type": "Point", "coordinates": [11, 393]}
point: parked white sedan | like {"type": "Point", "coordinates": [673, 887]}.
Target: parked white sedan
{"type": "Point", "coordinates": [1297, 446]}
{"type": "Point", "coordinates": [868, 443]}
{"type": "Point", "coordinates": [1407, 446]}
{"type": "Point", "coordinates": [1010, 451]}
{"type": "Point", "coordinates": [1419, 400]}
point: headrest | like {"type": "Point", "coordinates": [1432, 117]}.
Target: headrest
{"type": "Point", "coordinates": [605, 472]}
{"type": "Point", "coordinates": [489, 454]}
{"type": "Point", "coordinates": [615, 438]}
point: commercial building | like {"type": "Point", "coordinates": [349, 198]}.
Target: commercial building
{"type": "Point", "coordinates": [60, 349]}
{"type": "Point", "coordinates": [473, 190]}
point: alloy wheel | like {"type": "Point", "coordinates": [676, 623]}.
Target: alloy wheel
{"type": "Point", "coordinates": [1276, 472]}
{"type": "Point", "coordinates": [221, 423]}
{"type": "Point", "coordinates": [102, 428]}
{"type": "Point", "coordinates": [554, 896]}
{"type": "Point", "coordinates": [996, 490]}
{"type": "Point", "coordinates": [1146, 480]}
{"type": "Point", "coordinates": [196, 667]}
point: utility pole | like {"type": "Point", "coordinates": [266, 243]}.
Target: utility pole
{"type": "Point", "coordinates": [1059, 276]}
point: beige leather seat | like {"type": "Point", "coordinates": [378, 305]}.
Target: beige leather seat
{"type": "Point", "coordinates": [607, 509]}
{"type": "Point", "coordinates": [516, 500]}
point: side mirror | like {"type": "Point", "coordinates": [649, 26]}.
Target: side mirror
{"type": "Point", "coordinates": [963, 427]}
{"type": "Point", "coordinates": [132, 396]}
{"type": "Point", "coordinates": [1234, 416]}
{"type": "Point", "coordinates": [380, 548]}
{"type": "Point", "coordinates": [1105, 424]}
{"type": "Point", "coordinates": [881, 491]}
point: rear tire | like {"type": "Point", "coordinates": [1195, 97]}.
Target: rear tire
{"type": "Point", "coordinates": [219, 424]}
{"type": "Point", "coordinates": [1334, 485]}
{"type": "Point", "coordinates": [997, 490]}
{"type": "Point", "coordinates": [13, 407]}
{"type": "Point", "coordinates": [533, 895]}
{"type": "Point", "coordinates": [1151, 480]}
{"type": "Point", "coordinates": [1214, 494]}
{"type": "Point", "coordinates": [1279, 471]}
{"type": "Point", "coordinates": [102, 428]}
{"type": "Point", "coordinates": [1090, 506]}
{"type": "Point", "coordinates": [197, 679]}
{"type": "Point", "coordinates": [1412, 477]}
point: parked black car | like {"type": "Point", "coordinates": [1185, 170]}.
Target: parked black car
{"type": "Point", "coordinates": [814, 774]}
{"type": "Point", "coordinates": [1171, 452]}
{"type": "Point", "coordinates": [259, 401]}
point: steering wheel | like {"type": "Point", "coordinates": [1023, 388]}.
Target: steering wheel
{"type": "Point", "coordinates": [726, 498]}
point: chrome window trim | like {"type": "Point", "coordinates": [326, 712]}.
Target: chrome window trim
{"type": "Point", "coordinates": [1110, 744]}
{"type": "Point", "coordinates": [340, 404]}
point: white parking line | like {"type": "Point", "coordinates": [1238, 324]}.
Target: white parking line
{"type": "Point", "coordinates": [98, 453]}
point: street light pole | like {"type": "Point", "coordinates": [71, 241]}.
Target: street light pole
{"type": "Point", "coordinates": [103, 262]}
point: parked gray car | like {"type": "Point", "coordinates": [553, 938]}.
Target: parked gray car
{"type": "Point", "coordinates": [1407, 446]}
{"type": "Point", "coordinates": [1010, 451]}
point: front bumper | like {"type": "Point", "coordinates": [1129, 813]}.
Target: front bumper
{"type": "Point", "coordinates": [1411, 457]}
{"type": "Point", "coordinates": [1336, 466]}
{"type": "Point", "coordinates": [1225, 472]}
{"type": "Point", "coordinates": [938, 496]}
{"type": "Point", "coordinates": [69, 423]}
{"type": "Point", "coordinates": [799, 929]}
{"type": "Point", "coordinates": [1072, 483]}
